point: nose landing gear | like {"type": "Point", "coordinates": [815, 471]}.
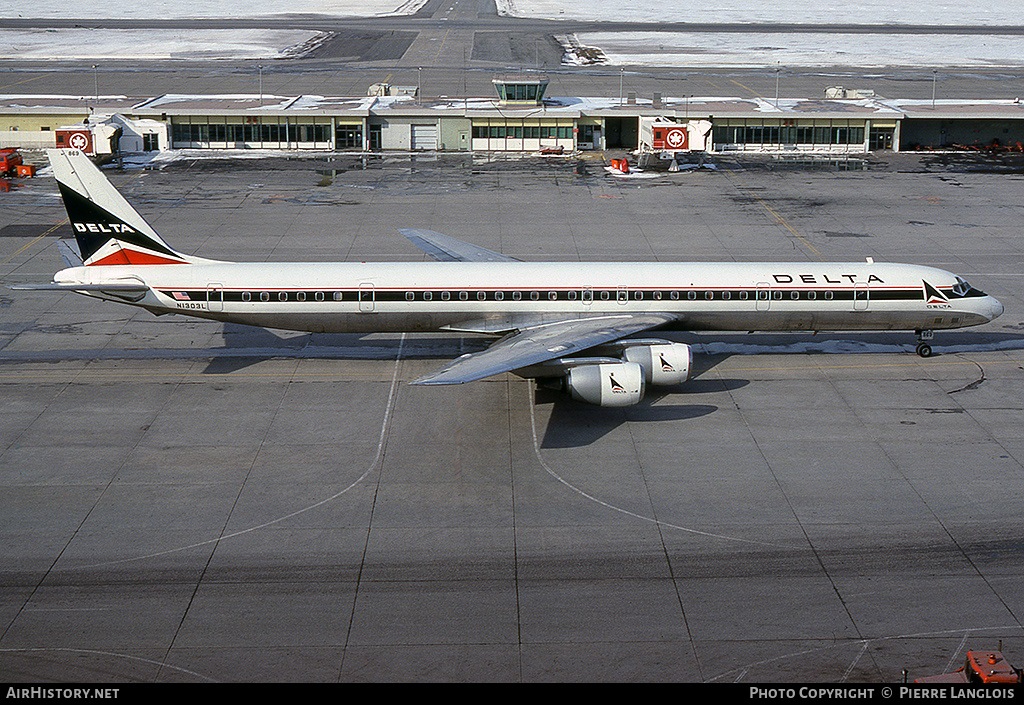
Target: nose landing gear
{"type": "Point", "coordinates": [924, 349]}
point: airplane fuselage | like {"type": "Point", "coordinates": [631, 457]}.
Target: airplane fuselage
{"type": "Point", "coordinates": [487, 296]}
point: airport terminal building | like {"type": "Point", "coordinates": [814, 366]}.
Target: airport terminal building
{"type": "Point", "coordinates": [519, 118]}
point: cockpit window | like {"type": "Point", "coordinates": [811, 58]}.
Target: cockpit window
{"type": "Point", "coordinates": [963, 290]}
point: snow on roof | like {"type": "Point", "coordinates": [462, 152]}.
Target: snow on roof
{"type": "Point", "coordinates": [670, 106]}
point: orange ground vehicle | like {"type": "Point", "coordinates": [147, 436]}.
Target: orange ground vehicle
{"type": "Point", "coordinates": [980, 667]}
{"type": "Point", "coordinates": [11, 163]}
{"type": "Point", "coordinates": [10, 160]}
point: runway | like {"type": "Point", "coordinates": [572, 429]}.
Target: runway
{"type": "Point", "coordinates": [186, 501]}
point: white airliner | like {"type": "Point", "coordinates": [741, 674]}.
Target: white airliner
{"type": "Point", "coordinates": [568, 324]}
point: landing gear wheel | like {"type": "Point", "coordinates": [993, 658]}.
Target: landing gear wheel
{"type": "Point", "coordinates": [923, 348]}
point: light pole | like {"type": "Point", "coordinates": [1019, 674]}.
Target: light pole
{"type": "Point", "coordinates": [621, 70]}
{"type": "Point", "coordinates": [260, 67]}
{"type": "Point", "coordinates": [935, 73]}
{"type": "Point", "coordinates": [95, 82]}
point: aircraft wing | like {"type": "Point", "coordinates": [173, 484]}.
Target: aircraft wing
{"type": "Point", "coordinates": [541, 343]}
{"type": "Point", "coordinates": [445, 248]}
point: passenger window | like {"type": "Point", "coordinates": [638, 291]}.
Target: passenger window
{"type": "Point", "coordinates": [535, 296]}
{"type": "Point", "coordinates": [445, 295]}
{"type": "Point", "coordinates": [409, 296]}
{"type": "Point", "coordinates": [319, 296]}
{"type": "Point", "coordinates": [246, 296]}
{"type": "Point", "coordinates": [463, 296]}
{"type": "Point", "coordinates": [264, 296]}
{"type": "Point", "coordinates": [428, 295]}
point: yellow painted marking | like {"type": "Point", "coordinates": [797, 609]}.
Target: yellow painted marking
{"type": "Point", "coordinates": [443, 40]}
{"type": "Point", "coordinates": [18, 83]}
{"type": "Point", "coordinates": [747, 88]}
{"type": "Point", "coordinates": [34, 241]}
{"type": "Point", "coordinates": [781, 221]}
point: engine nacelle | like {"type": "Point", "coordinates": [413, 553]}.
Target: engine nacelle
{"type": "Point", "coordinates": [664, 363]}
{"type": "Point", "coordinates": [607, 384]}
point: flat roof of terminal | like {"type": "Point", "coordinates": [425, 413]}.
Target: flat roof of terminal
{"type": "Point", "coordinates": [669, 106]}
{"type": "Point", "coordinates": [1008, 109]}
{"type": "Point", "coordinates": [55, 104]}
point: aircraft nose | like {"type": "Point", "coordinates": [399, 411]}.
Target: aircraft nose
{"type": "Point", "coordinates": [996, 309]}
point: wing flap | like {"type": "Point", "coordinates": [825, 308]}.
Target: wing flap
{"type": "Point", "coordinates": [541, 343]}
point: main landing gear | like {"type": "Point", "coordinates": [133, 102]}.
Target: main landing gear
{"type": "Point", "coordinates": [923, 347]}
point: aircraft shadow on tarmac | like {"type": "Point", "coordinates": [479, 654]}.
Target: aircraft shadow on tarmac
{"type": "Point", "coordinates": [575, 424]}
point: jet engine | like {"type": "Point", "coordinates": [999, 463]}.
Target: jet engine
{"type": "Point", "coordinates": [606, 384]}
{"type": "Point", "coordinates": [663, 363]}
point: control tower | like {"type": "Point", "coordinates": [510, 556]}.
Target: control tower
{"type": "Point", "coordinates": [520, 89]}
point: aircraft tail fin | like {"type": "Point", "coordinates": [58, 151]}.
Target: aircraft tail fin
{"type": "Point", "coordinates": [107, 229]}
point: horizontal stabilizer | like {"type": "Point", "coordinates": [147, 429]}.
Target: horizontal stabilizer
{"type": "Point", "coordinates": [72, 286]}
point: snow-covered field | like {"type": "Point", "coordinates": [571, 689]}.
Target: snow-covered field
{"type": "Point", "coordinates": [99, 44]}
{"type": "Point", "coordinates": [878, 12]}
{"type": "Point", "coordinates": [802, 49]}
{"type": "Point", "coordinates": [181, 9]}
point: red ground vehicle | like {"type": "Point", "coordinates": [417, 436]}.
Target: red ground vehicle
{"type": "Point", "coordinates": [11, 163]}
{"type": "Point", "coordinates": [10, 160]}
{"type": "Point", "coordinates": [980, 667]}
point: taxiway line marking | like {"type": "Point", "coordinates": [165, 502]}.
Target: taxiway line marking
{"type": "Point", "coordinates": [782, 221]}
{"type": "Point", "coordinates": [33, 241]}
